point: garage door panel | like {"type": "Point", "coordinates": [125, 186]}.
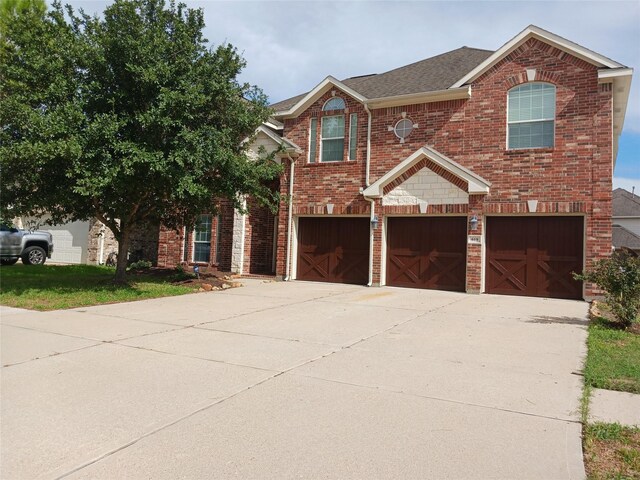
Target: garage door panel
{"type": "Point", "coordinates": [534, 256]}
{"type": "Point", "coordinates": [508, 274]}
{"type": "Point", "coordinates": [427, 252]}
{"type": "Point", "coordinates": [333, 250]}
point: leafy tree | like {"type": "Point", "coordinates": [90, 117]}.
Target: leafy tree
{"type": "Point", "coordinates": [619, 277]}
{"type": "Point", "coordinates": [128, 117]}
{"type": "Point", "coordinates": [10, 9]}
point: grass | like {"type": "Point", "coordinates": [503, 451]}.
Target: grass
{"type": "Point", "coordinates": [613, 359]}
{"type": "Point", "coordinates": [54, 287]}
{"type": "Point", "coordinates": [611, 451]}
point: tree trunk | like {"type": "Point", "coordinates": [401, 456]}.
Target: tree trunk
{"type": "Point", "coordinates": [123, 249]}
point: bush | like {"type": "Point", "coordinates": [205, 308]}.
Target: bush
{"type": "Point", "coordinates": [619, 277]}
{"type": "Point", "coordinates": [182, 274]}
{"type": "Point", "coordinates": [140, 265]}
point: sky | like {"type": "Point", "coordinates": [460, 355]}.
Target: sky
{"type": "Point", "coordinates": [290, 46]}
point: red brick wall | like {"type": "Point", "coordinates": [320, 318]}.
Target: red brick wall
{"type": "Point", "coordinates": [573, 176]}
{"type": "Point", "coordinates": [171, 243]}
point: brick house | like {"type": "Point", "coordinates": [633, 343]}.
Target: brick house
{"type": "Point", "coordinates": [475, 170]}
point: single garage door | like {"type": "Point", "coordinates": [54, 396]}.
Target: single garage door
{"type": "Point", "coordinates": [427, 252]}
{"type": "Point", "coordinates": [534, 256]}
{"type": "Point", "coordinates": [333, 250]}
{"type": "Point", "coordinates": [70, 242]}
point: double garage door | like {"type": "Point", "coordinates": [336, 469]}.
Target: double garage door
{"type": "Point", "coordinates": [532, 256]}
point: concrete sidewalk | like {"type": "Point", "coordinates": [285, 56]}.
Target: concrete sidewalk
{"type": "Point", "coordinates": [614, 407]}
{"type": "Point", "coordinates": [289, 380]}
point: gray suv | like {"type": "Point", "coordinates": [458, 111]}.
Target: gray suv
{"type": "Point", "coordinates": [33, 247]}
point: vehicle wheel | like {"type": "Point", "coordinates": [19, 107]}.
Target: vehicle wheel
{"type": "Point", "coordinates": [34, 256]}
{"type": "Point", "coordinates": [8, 261]}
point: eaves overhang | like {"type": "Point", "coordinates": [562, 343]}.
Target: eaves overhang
{"type": "Point", "coordinates": [421, 97]}
{"type": "Point", "coordinates": [620, 78]}
{"type": "Point", "coordinates": [380, 102]}
{"type": "Point", "coordinates": [476, 184]}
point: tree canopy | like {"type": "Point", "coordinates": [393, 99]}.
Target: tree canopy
{"type": "Point", "coordinates": [129, 117]}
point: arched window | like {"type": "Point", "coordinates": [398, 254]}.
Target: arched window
{"type": "Point", "coordinates": [335, 103]}
{"type": "Point", "coordinates": [531, 114]}
{"type": "Point", "coordinates": [332, 131]}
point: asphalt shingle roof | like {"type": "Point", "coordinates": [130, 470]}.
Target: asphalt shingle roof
{"type": "Point", "coordinates": [625, 204]}
{"type": "Point", "coordinates": [431, 74]}
{"type": "Point", "coordinates": [625, 238]}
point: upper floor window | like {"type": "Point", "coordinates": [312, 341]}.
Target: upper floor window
{"type": "Point", "coordinates": [531, 116]}
{"type": "Point", "coordinates": [335, 103]}
{"type": "Point", "coordinates": [332, 147]}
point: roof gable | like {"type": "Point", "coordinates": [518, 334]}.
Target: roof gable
{"type": "Point", "coordinates": [475, 184]}
{"type": "Point", "coordinates": [547, 37]}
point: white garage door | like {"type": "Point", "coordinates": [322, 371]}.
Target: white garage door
{"type": "Point", "coordinates": [69, 242]}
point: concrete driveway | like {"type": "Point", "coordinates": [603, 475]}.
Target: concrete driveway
{"type": "Point", "coordinates": [295, 380]}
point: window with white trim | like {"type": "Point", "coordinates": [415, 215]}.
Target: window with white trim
{"type": "Point", "coordinates": [332, 131]}
{"type": "Point", "coordinates": [332, 145]}
{"type": "Point", "coordinates": [335, 103]}
{"type": "Point", "coordinates": [531, 113]}
{"type": "Point", "coordinates": [202, 239]}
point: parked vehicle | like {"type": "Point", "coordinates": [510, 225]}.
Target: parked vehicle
{"type": "Point", "coordinates": [33, 247]}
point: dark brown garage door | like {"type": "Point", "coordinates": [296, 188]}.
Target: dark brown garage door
{"type": "Point", "coordinates": [534, 256]}
{"type": "Point", "coordinates": [427, 252]}
{"type": "Point", "coordinates": [333, 250]}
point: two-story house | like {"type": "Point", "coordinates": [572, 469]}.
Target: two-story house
{"type": "Point", "coordinates": [475, 170]}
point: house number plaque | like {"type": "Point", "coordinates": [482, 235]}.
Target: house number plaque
{"type": "Point", "coordinates": [474, 240]}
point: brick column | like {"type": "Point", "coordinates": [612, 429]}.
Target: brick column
{"type": "Point", "coordinates": [474, 252]}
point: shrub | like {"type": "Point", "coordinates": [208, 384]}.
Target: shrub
{"type": "Point", "coordinates": [140, 265]}
{"type": "Point", "coordinates": [619, 277]}
{"type": "Point", "coordinates": [182, 274]}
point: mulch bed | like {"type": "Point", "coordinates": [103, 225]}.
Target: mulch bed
{"type": "Point", "coordinates": [208, 279]}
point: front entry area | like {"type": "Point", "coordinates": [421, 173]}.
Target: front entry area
{"type": "Point", "coordinates": [333, 250]}
{"type": "Point", "coordinates": [534, 256]}
{"type": "Point", "coordinates": [427, 252]}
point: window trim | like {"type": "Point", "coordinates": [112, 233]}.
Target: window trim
{"type": "Point", "coordinates": [322, 138]}
{"type": "Point", "coordinates": [324, 109]}
{"type": "Point", "coordinates": [508, 123]}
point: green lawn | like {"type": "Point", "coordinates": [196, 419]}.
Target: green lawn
{"type": "Point", "coordinates": [53, 287]}
{"type": "Point", "coordinates": [613, 360]}
{"type": "Point", "coordinates": [611, 451]}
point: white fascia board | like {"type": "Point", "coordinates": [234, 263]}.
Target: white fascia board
{"type": "Point", "coordinates": [422, 97]}
{"type": "Point", "coordinates": [621, 89]}
{"type": "Point", "coordinates": [477, 184]}
{"type": "Point", "coordinates": [547, 37]}
{"type": "Point", "coordinates": [609, 75]}
{"type": "Point", "coordinates": [313, 95]}
{"type": "Point", "coordinates": [272, 123]}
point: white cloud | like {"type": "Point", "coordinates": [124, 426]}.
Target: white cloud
{"type": "Point", "coordinates": [291, 46]}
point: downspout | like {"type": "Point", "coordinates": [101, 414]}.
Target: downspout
{"type": "Point", "coordinates": [289, 221]}
{"type": "Point", "coordinates": [371, 200]}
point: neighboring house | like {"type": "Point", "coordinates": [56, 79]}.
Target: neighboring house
{"type": "Point", "coordinates": [91, 242]}
{"type": "Point", "coordinates": [626, 220]}
{"type": "Point", "coordinates": [472, 171]}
